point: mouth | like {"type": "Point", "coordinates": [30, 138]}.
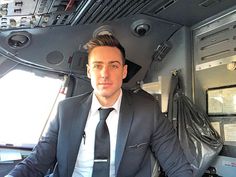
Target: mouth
{"type": "Point", "coordinates": [105, 84]}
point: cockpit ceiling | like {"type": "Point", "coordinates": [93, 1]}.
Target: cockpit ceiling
{"type": "Point", "coordinates": [20, 14]}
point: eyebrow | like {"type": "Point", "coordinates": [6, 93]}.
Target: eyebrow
{"type": "Point", "coordinates": [110, 62]}
{"type": "Point", "coordinates": [115, 62]}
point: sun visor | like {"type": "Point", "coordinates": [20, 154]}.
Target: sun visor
{"type": "Point", "coordinates": [133, 68]}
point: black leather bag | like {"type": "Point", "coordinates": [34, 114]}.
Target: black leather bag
{"type": "Point", "coordinates": [200, 141]}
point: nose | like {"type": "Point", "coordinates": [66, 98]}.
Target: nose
{"type": "Point", "coordinates": [105, 72]}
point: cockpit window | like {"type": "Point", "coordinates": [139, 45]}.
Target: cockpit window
{"type": "Point", "coordinates": [27, 101]}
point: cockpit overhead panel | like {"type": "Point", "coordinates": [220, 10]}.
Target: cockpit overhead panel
{"type": "Point", "coordinates": [18, 14]}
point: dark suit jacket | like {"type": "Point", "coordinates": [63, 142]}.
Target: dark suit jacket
{"type": "Point", "coordinates": [142, 131]}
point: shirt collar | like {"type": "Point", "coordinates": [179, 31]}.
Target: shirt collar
{"type": "Point", "coordinates": [96, 105]}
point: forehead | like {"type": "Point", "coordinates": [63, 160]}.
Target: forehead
{"type": "Point", "coordinates": [105, 54]}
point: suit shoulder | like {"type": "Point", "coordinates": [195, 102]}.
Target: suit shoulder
{"type": "Point", "coordinates": [140, 95]}
{"type": "Point", "coordinates": [77, 98]}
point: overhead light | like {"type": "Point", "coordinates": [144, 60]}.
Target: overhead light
{"type": "Point", "coordinates": [231, 66]}
{"type": "Point", "coordinates": [140, 27]}
{"type": "Point", "coordinates": [18, 40]}
{"type": "Point", "coordinates": [103, 30]}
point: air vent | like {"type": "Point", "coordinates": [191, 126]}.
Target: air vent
{"type": "Point", "coordinates": [159, 6]}
{"type": "Point", "coordinates": [18, 40]}
{"type": "Point", "coordinates": [208, 3]}
{"type": "Point", "coordinates": [165, 6]}
{"type": "Point", "coordinates": [161, 51]}
{"type": "Point", "coordinates": [220, 54]}
{"type": "Point", "coordinates": [216, 44]}
{"type": "Point", "coordinates": [54, 57]}
{"type": "Point", "coordinates": [101, 11]}
{"type": "Point", "coordinates": [215, 34]}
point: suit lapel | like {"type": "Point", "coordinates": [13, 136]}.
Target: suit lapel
{"type": "Point", "coordinates": [79, 122]}
{"type": "Point", "coordinates": [125, 120]}
{"type": "Point", "coordinates": [77, 130]}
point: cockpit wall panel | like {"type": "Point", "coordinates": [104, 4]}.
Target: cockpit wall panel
{"type": "Point", "coordinates": [60, 48]}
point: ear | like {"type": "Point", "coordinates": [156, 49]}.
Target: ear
{"type": "Point", "coordinates": [88, 71]}
{"type": "Point", "coordinates": [125, 71]}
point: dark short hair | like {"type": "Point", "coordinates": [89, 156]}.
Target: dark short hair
{"type": "Point", "coordinates": [105, 40]}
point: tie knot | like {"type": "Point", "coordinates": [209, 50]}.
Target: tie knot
{"type": "Point", "coordinates": [104, 113]}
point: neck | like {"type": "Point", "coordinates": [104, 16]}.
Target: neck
{"type": "Point", "coordinates": [108, 101]}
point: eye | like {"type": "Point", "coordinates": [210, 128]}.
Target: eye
{"type": "Point", "coordinates": [97, 66]}
{"type": "Point", "coordinates": [114, 66]}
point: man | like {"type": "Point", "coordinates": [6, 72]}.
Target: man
{"type": "Point", "coordinates": [137, 128]}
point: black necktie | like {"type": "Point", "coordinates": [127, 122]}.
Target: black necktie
{"type": "Point", "coordinates": [101, 166]}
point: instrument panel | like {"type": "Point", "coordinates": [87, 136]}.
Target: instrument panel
{"type": "Point", "coordinates": [36, 13]}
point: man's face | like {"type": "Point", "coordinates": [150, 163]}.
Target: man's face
{"type": "Point", "coordinates": [106, 71]}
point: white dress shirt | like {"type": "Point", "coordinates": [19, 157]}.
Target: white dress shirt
{"type": "Point", "coordinates": [84, 162]}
